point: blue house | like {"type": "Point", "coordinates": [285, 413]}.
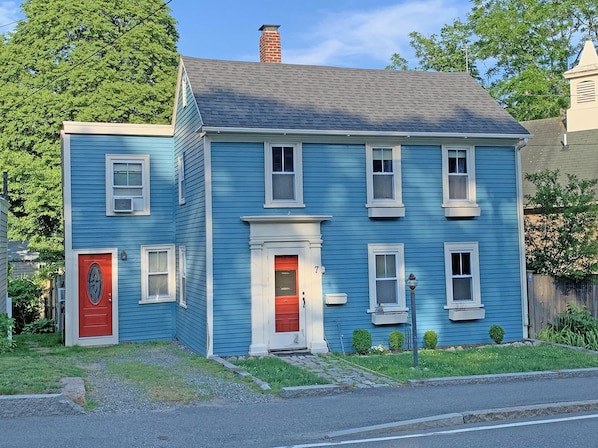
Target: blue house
{"type": "Point", "coordinates": [286, 205]}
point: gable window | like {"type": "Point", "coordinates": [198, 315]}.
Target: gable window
{"type": "Point", "coordinates": [384, 182]}
{"type": "Point", "coordinates": [181, 175]}
{"type": "Point", "coordinates": [458, 179]}
{"type": "Point", "coordinates": [284, 181]}
{"type": "Point", "coordinates": [157, 273]}
{"type": "Point", "coordinates": [462, 273]}
{"type": "Point", "coordinates": [127, 185]}
{"type": "Point", "coordinates": [183, 276]}
{"type": "Point", "coordinates": [387, 283]}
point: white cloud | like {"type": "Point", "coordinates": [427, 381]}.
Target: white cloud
{"type": "Point", "coordinates": [9, 13]}
{"type": "Point", "coordinates": [373, 34]}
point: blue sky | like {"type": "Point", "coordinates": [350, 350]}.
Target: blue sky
{"type": "Point", "coordinates": [344, 33]}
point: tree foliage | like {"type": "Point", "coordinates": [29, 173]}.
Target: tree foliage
{"type": "Point", "coordinates": [518, 49]}
{"type": "Point", "coordinates": [80, 60]}
{"type": "Point", "coordinates": [561, 237]}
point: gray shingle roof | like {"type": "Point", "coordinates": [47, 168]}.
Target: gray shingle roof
{"type": "Point", "coordinates": [300, 97]}
{"type": "Point", "coordinates": [545, 151]}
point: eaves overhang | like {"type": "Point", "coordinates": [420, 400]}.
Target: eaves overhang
{"type": "Point", "coordinates": [349, 133]}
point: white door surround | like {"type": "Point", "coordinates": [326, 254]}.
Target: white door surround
{"type": "Point", "coordinates": [286, 234]}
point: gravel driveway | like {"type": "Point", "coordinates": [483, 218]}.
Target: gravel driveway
{"type": "Point", "coordinates": [110, 393]}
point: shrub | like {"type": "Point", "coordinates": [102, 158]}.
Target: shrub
{"type": "Point", "coordinates": [25, 295]}
{"type": "Point", "coordinates": [39, 326]}
{"type": "Point", "coordinates": [430, 339]}
{"type": "Point", "coordinates": [497, 333]}
{"type": "Point", "coordinates": [396, 340]}
{"type": "Point", "coordinates": [362, 340]}
{"type": "Point", "coordinates": [576, 326]}
{"type": "Point", "coordinates": [6, 342]}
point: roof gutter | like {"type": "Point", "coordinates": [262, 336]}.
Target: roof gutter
{"type": "Point", "coordinates": [348, 133]}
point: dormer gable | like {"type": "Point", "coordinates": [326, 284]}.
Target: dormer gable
{"type": "Point", "coordinates": [583, 79]}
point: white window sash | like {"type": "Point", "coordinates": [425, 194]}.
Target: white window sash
{"type": "Point", "coordinates": [295, 176]}
{"type": "Point", "coordinates": [397, 250]}
{"type": "Point", "coordinates": [459, 248]}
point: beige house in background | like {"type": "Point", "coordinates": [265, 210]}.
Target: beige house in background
{"type": "Point", "coordinates": [568, 143]}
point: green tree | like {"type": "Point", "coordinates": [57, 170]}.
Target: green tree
{"type": "Point", "coordinates": [518, 49]}
{"type": "Point", "coordinates": [561, 236]}
{"type": "Point", "coordinates": [81, 60]}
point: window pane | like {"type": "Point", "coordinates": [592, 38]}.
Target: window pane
{"type": "Point", "coordinates": [382, 160]}
{"type": "Point", "coordinates": [288, 160]}
{"type": "Point", "coordinates": [158, 285]}
{"type": "Point", "coordinates": [458, 187]}
{"type": "Point", "coordinates": [386, 291]}
{"type": "Point", "coordinates": [285, 283]}
{"type": "Point", "coordinates": [466, 263]}
{"type": "Point", "coordinates": [384, 186]}
{"type": "Point", "coordinates": [386, 266]}
{"type": "Point", "coordinates": [462, 289]}
{"type": "Point", "coordinates": [457, 161]}
{"type": "Point", "coordinates": [283, 187]}
{"type": "Point", "coordinates": [158, 261]}
{"type": "Point", "coordinates": [276, 159]}
{"type": "Point", "coordinates": [456, 263]}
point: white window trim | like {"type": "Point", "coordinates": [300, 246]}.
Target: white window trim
{"type": "Point", "coordinates": [181, 178]}
{"type": "Point", "coordinates": [141, 205]}
{"type": "Point", "coordinates": [298, 165]}
{"type": "Point", "coordinates": [398, 250]}
{"type": "Point", "coordinates": [183, 276]}
{"type": "Point", "coordinates": [169, 248]}
{"type": "Point", "coordinates": [472, 248]}
{"type": "Point", "coordinates": [458, 207]}
{"type": "Point", "coordinates": [385, 208]}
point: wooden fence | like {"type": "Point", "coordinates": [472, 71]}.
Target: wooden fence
{"type": "Point", "coordinates": [547, 297]}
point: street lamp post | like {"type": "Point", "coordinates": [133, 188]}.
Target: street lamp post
{"type": "Point", "coordinates": [412, 283]}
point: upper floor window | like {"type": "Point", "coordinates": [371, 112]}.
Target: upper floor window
{"type": "Point", "coordinates": [181, 176]}
{"type": "Point", "coordinates": [458, 179]}
{"type": "Point", "coordinates": [284, 177]}
{"type": "Point", "coordinates": [127, 185]}
{"type": "Point", "coordinates": [384, 192]}
{"type": "Point", "coordinates": [157, 273]}
{"type": "Point", "coordinates": [462, 271]}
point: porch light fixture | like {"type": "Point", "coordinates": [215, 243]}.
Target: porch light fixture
{"type": "Point", "coordinates": [412, 283]}
{"type": "Point", "coordinates": [123, 255]}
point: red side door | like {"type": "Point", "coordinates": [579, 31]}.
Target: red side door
{"type": "Point", "coordinates": [95, 295]}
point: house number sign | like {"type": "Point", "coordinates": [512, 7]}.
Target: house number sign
{"type": "Point", "coordinates": [94, 283]}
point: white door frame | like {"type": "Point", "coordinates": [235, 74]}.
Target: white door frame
{"type": "Point", "coordinates": [281, 234]}
{"type": "Point", "coordinates": [72, 300]}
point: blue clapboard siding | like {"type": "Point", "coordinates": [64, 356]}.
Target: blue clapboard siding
{"type": "Point", "coordinates": [93, 229]}
{"type": "Point", "coordinates": [238, 190]}
{"type": "Point", "coordinates": [334, 178]}
{"type": "Point", "coordinates": [191, 227]}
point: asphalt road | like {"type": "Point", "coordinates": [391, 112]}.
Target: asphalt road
{"type": "Point", "coordinates": [288, 422]}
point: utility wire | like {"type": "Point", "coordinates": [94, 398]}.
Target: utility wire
{"type": "Point", "coordinates": [86, 59]}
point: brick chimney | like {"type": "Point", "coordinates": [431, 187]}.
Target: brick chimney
{"type": "Point", "coordinates": [270, 44]}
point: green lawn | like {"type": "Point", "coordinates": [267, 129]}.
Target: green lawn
{"type": "Point", "coordinates": [490, 359]}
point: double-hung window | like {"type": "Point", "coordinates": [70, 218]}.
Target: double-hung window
{"type": "Point", "coordinates": [284, 177]}
{"type": "Point", "coordinates": [386, 278]}
{"type": "Point", "coordinates": [459, 186]}
{"type": "Point", "coordinates": [384, 191]}
{"type": "Point", "coordinates": [462, 271]}
{"type": "Point", "coordinates": [157, 273]}
{"type": "Point", "coordinates": [181, 176]}
{"type": "Point", "coordinates": [127, 185]}
{"type": "Point", "coordinates": [183, 276]}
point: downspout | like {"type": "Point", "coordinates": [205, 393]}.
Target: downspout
{"type": "Point", "coordinates": [520, 223]}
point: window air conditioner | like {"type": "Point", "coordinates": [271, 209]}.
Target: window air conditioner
{"type": "Point", "coordinates": [123, 205]}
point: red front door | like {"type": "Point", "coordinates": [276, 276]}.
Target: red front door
{"type": "Point", "coordinates": [95, 295]}
{"type": "Point", "coordinates": [286, 295]}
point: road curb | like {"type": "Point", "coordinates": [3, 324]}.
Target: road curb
{"type": "Point", "coordinates": [480, 416]}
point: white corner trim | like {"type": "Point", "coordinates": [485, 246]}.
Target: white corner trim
{"type": "Point", "coordinates": [93, 128]}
